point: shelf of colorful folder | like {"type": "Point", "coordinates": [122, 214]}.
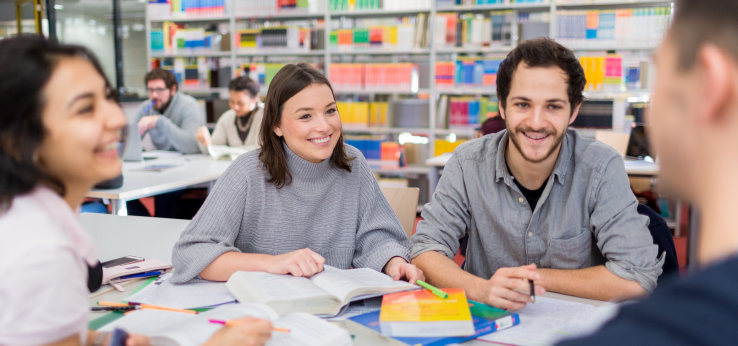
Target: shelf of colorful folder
{"type": "Point", "coordinates": [192, 19]}
{"type": "Point", "coordinates": [377, 78]}
{"type": "Point", "coordinates": [488, 90]}
{"type": "Point", "coordinates": [378, 13]}
{"type": "Point", "coordinates": [184, 10]}
{"type": "Point", "coordinates": [389, 130]}
{"type": "Point", "coordinates": [191, 54]}
{"type": "Point", "coordinates": [612, 28]}
{"type": "Point", "coordinates": [380, 51]}
{"type": "Point", "coordinates": [376, 7]}
{"type": "Point", "coordinates": [486, 32]}
{"type": "Point", "coordinates": [383, 38]}
{"type": "Point", "coordinates": [488, 7]}
{"type": "Point", "coordinates": [292, 39]}
{"type": "Point", "coordinates": [474, 50]}
{"type": "Point", "coordinates": [278, 8]}
{"type": "Point", "coordinates": [603, 3]}
{"type": "Point", "coordinates": [385, 91]}
{"type": "Point", "coordinates": [278, 52]}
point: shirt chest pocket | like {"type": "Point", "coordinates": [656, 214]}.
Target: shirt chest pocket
{"type": "Point", "coordinates": [571, 252]}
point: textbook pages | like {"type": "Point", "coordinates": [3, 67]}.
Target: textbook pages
{"type": "Point", "coordinates": [175, 328]}
{"type": "Point", "coordinates": [324, 293]}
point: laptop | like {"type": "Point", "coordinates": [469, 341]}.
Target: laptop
{"type": "Point", "coordinates": [638, 144]}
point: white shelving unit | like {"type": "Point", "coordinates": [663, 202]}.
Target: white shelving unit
{"type": "Point", "coordinates": [432, 52]}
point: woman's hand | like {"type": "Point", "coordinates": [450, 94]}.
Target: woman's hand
{"type": "Point", "coordinates": [303, 262]}
{"type": "Point", "coordinates": [398, 269]}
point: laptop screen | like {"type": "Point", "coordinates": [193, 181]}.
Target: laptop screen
{"type": "Point", "coordinates": [638, 145]}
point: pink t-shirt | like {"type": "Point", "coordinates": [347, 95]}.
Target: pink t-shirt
{"type": "Point", "coordinates": [44, 254]}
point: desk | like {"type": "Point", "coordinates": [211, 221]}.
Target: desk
{"type": "Point", "coordinates": [138, 183]}
{"type": "Point", "coordinates": [116, 236]}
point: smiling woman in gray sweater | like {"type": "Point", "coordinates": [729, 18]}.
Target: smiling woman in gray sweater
{"type": "Point", "coordinates": [303, 200]}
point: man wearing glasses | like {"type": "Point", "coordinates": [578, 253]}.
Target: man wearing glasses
{"type": "Point", "coordinates": [171, 118]}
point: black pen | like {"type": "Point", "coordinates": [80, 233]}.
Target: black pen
{"type": "Point", "coordinates": [532, 291]}
{"type": "Point", "coordinates": [113, 308]}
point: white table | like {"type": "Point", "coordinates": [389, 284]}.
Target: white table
{"type": "Point", "coordinates": [117, 236]}
{"type": "Point", "coordinates": [148, 237]}
{"type": "Point", "coordinates": [138, 183]}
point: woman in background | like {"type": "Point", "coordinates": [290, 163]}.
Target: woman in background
{"type": "Point", "coordinates": [60, 134]}
{"type": "Point", "coordinates": [238, 126]}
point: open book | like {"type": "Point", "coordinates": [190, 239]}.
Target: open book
{"type": "Point", "coordinates": [227, 153]}
{"type": "Point", "coordinates": [175, 328]}
{"type": "Point", "coordinates": [324, 293]}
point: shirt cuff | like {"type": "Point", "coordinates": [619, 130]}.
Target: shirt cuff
{"type": "Point", "coordinates": [645, 276]}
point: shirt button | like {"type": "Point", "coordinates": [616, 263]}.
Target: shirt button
{"type": "Point", "coordinates": [530, 234]}
{"type": "Point", "coordinates": [520, 199]}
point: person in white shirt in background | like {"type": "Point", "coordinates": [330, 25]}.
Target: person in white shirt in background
{"type": "Point", "coordinates": [238, 126]}
{"type": "Point", "coordinates": [60, 134]}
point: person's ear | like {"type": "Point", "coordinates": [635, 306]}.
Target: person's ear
{"type": "Point", "coordinates": [715, 83]}
{"type": "Point", "coordinates": [278, 131]}
{"type": "Point", "coordinates": [501, 110]}
{"type": "Point", "coordinates": [575, 113]}
{"type": "Point", "coordinates": [174, 88]}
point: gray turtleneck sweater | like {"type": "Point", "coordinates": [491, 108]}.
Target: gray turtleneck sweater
{"type": "Point", "coordinates": [340, 215]}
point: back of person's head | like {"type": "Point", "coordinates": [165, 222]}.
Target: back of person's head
{"type": "Point", "coordinates": [290, 80]}
{"type": "Point", "coordinates": [168, 77]}
{"type": "Point", "coordinates": [27, 63]}
{"type": "Point", "coordinates": [697, 22]}
{"type": "Point", "coordinates": [245, 84]}
{"type": "Point", "coordinates": [542, 52]}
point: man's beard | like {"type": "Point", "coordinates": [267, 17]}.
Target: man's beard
{"type": "Point", "coordinates": [512, 133]}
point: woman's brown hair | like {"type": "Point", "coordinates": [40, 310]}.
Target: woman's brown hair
{"type": "Point", "coordinates": [289, 81]}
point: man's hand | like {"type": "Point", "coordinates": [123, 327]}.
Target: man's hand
{"type": "Point", "coordinates": [247, 331]}
{"type": "Point", "coordinates": [398, 268]}
{"type": "Point", "coordinates": [147, 123]}
{"type": "Point", "coordinates": [203, 136]}
{"type": "Point", "coordinates": [303, 262]}
{"type": "Point", "coordinates": [509, 289]}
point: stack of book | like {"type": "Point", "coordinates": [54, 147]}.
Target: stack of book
{"type": "Point", "coordinates": [362, 115]}
{"type": "Point", "coordinates": [374, 77]}
{"type": "Point", "coordinates": [613, 27]}
{"type": "Point", "coordinates": [363, 5]}
{"type": "Point", "coordinates": [384, 34]}
{"type": "Point", "coordinates": [253, 8]}
{"type": "Point", "coordinates": [167, 9]}
{"type": "Point", "coordinates": [288, 37]}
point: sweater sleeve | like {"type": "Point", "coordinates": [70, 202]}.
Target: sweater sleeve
{"type": "Point", "coordinates": [213, 231]}
{"type": "Point", "coordinates": [219, 136]}
{"type": "Point", "coordinates": [380, 235]}
{"type": "Point", "coordinates": [182, 138]}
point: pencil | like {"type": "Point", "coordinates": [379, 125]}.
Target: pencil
{"type": "Point", "coordinates": [532, 291]}
{"type": "Point", "coordinates": [144, 306]}
{"type": "Point", "coordinates": [234, 323]}
{"type": "Point", "coordinates": [433, 289]}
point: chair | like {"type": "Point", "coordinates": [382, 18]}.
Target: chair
{"type": "Point", "coordinates": [404, 201]}
{"type": "Point", "coordinates": [662, 237]}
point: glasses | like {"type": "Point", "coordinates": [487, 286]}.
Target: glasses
{"type": "Point", "coordinates": [156, 90]}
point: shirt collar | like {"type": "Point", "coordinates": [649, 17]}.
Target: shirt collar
{"type": "Point", "coordinates": [561, 167]}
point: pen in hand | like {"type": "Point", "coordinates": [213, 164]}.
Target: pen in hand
{"type": "Point", "coordinates": [532, 291]}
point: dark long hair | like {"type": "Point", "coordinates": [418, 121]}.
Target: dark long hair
{"type": "Point", "coordinates": [289, 81]}
{"type": "Point", "coordinates": [26, 65]}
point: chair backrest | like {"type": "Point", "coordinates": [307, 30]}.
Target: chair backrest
{"type": "Point", "coordinates": [662, 237]}
{"type": "Point", "coordinates": [617, 140]}
{"type": "Point", "coordinates": [404, 201]}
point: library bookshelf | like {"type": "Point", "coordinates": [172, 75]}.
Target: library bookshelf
{"type": "Point", "coordinates": [354, 41]}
